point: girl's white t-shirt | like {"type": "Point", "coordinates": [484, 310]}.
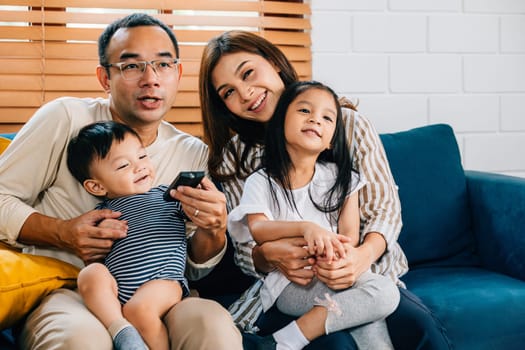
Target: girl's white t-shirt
{"type": "Point", "coordinates": [257, 198]}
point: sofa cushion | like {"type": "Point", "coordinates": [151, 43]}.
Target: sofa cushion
{"type": "Point", "coordinates": [26, 279]}
{"type": "Point", "coordinates": [5, 140]}
{"type": "Point", "coordinates": [426, 165]}
{"type": "Point", "coordinates": [480, 309]}
{"type": "Point", "coordinates": [497, 204]}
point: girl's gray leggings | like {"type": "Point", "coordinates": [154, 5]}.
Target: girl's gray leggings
{"type": "Point", "coordinates": [363, 307]}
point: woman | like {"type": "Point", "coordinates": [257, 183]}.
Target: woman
{"type": "Point", "coordinates": [306, 187]}
{"type": "Point", "coordinates": [241, 79]}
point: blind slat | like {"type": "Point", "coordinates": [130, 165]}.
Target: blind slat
{"type": "Point", "coordinates": [71, 83]}
{"type": "Point", "coordinates": [20, 66]}
{"type": "Point", "coordinates": [91, 35]}
{"type": "Point", "coordinates": [10, 127]}
{"type": "Point", "coordinates": [88, 51]}
{"type": "Point", "coordinates": [21, 49]}
{"type": "Point", "coordinates": [87, 68]}
{"type": "Point", "coordinates": [193, 129]}
{"type": "Point", "coordinates": [184, 115]}
{"type": "Point", "coordinates": [279, 7]}
{"type": "Point", "coordinates": [184, 98]}
{"type": "Point", "coordinates": [53, 17]}
{"type": "Point", "coordinates": [20, 99]}
{"type": "Point", "coordinates": [288, 38]}
{"type": "Point", "coordinates": [180, 115]}
{"type": "Point", "coordinates": [21, 82]}
{"type": "Point", "coordinates": [48, 52]}
{"type": "Point", "coordinates": [16, 115]}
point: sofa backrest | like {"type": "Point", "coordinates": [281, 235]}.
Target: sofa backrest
{"type": "Point", "coordinates": [426, 165]}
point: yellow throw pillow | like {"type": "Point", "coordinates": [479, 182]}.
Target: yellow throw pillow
{"type": "Point", "coordinates": [4, 142]}
{"type": "Point", "coordinates": [26, 279]}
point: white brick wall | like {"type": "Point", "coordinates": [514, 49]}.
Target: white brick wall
{"type": "Point", "coordinates": [419, 62]}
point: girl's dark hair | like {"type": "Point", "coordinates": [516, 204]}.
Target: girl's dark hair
{"type": "Point", "coordinates": [94, 142]}
{"type": "Point", "coordinates": [276, 160]}
{"type": "Point", "coordinates": [219, 123]}
{"type": "Point", "coordinates": [130, 21]}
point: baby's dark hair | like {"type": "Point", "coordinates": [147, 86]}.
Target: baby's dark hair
{"type": "Point", "coordinates": [94, 142]}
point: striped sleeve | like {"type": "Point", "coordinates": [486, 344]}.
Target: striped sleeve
{"type": "Point", "coordinates": [380, 208]}
{"type": "Point", "coordinates": [233, 192]}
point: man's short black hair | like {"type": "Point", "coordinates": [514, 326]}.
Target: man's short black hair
{"type": "Point", "coordinates": [130, 21]}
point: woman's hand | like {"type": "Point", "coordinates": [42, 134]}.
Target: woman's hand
{"type": "Point", "coordinates": [289, 255]}
{"type": "Point", "coordinates": [343, 272]}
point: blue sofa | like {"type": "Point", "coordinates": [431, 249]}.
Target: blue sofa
{"type": "Point", "coordinates": [464, 237]}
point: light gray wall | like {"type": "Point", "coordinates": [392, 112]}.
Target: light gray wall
{"type": "Point", "coordinates": [419, 62]}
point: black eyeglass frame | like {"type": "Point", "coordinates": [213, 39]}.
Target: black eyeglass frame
{"type": "Point", "coordinates": [142, 65]}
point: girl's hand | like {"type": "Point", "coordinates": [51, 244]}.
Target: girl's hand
{"type": "Point", "coordinates": [343, 273]}
{"type": "Point", "coordinates": [323, 243]}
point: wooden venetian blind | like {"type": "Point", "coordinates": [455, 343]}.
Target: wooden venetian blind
{"type": "Point", "coordinates": [48, 48]}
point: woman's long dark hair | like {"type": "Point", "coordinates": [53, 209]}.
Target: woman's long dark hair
{"type": "Point", "coordinates": [277, 163]}
{"type": "Point", "coordinates": [219, 123]}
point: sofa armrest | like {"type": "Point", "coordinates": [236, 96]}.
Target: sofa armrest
{"type": "Point", "coordinates": [497, 204]}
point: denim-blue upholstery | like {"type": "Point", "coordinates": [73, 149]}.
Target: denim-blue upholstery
{"type": "Point", "coordinates": [9, 135]}
{"type": "Point", "coordinates": [464, 236]}
{"type": "Point", "coordinates": [427, 168]}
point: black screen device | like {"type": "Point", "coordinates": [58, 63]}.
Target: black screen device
{"type": "Point", "coordinates": [185, 178]}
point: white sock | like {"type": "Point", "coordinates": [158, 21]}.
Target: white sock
{"type": "Point", "coordinates": [117, 326]}
{"type": "Point", "coordinates": [290, 338]}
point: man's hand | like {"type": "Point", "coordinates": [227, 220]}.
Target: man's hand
{"type": "Point", "coordinates": [206, 207]}
{"type": "Point", "coordinates": [90, 236]}
{"type": "Point", "coordinates": [81, 235]}
{"type": "Point", "coordinates": [290, 256]}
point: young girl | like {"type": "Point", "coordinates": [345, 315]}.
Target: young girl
{"type": "Point", "coordinates": [306, 187]}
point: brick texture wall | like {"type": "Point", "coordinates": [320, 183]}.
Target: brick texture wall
{"type": "Point", "coordinates": [419, 62]}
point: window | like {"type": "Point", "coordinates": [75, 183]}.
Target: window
{"type": "Point", "coordinates": [49, 47]}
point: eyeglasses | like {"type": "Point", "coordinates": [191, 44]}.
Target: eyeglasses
{"type": "Point", "coordinates": [135, 70]}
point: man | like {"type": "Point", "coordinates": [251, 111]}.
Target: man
{"type": "Point", "coordinates": [46, 211]}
